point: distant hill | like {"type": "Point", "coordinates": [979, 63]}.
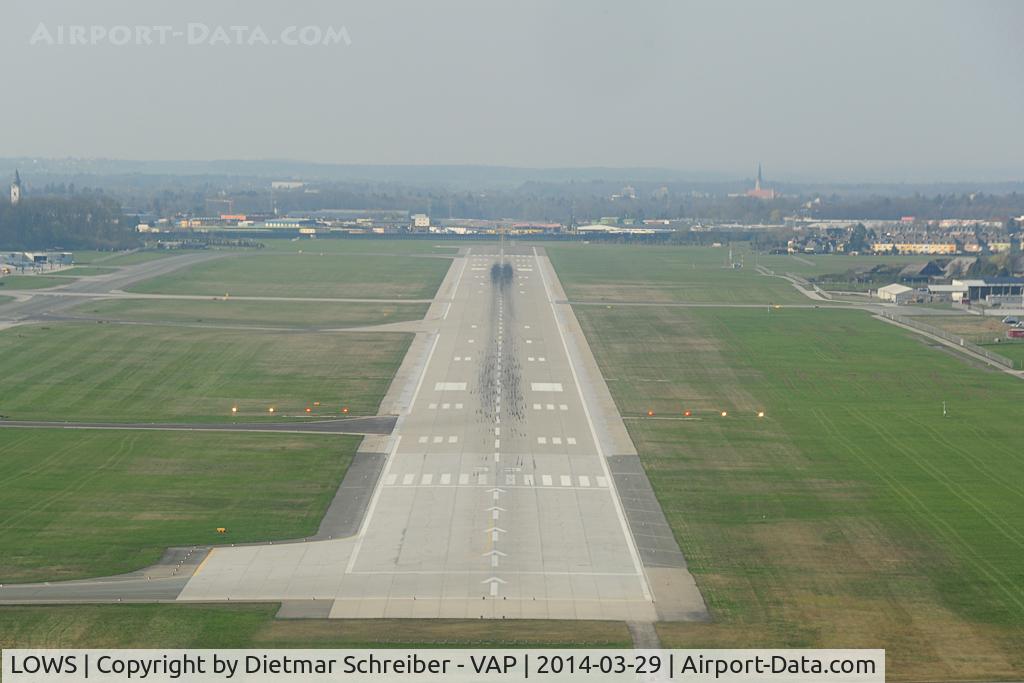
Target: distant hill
{"type": "Point", "coordinates": [467, 176]}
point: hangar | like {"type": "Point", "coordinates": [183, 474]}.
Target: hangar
{"type": "Point", "coordinates": [896, 293]}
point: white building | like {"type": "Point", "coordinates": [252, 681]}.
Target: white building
{"type": "Point", "coordinates": [16, 190]}
{"type": "Point", "coordinates": [896, 293]}
{"type": "Point", "coordinates": [36, 260]}
{"type": "Point", "coordinates": [420, 220]}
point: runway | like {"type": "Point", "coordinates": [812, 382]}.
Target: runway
{"type": "Point", "coordinates": [507, 489]}
{"type": "Point", "coordinates": [496, 499]}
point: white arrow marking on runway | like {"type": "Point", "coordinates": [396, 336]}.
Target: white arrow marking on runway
{"type": "Point", "coordinates": [497, 492]}
{"type": "Point", "coordinates": [495, 555]}
{"type": "Point", "coordinates": [494, 581]}
{"type": "Point", "coordinates": [494, 531]}
{"type": "Point", "coordinates": [495, 511]}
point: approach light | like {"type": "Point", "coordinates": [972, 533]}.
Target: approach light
{"type": "Point", "coordinates": [309, 410]}
{"type": "Point", "coordinates": [725, 413]}
{"type": "Point", "coordinates": [650, 413]}
{"type": "Point", "coordinates": [344, 409]}
{"type": "Point", "coordinates": [316, 403]}
{"type": "Point", "coordinates": [234, 409]}
{"type": "Point", "coordinates": [760, 413]}
{"type": "Point", "coordinates": [686, 413]}
{"type": "Point", "coordinates": [271, 410]}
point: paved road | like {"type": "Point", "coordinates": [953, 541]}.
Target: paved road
{"type": "Point", "coordinates": [349, 425]}
{"type": "Point", "coordinates": [35, 304]}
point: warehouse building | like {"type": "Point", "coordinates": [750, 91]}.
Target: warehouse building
{"type": "Point", "coordinates": [982, 289]}
{"type": "Point", "coordinates": [896, 293]}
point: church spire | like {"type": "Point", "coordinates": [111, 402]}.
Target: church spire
{"type": "Point", "coordinates": [16, 189]}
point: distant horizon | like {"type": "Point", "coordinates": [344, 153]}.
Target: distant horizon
{"type": "Point", "coordinates": [672, 174]}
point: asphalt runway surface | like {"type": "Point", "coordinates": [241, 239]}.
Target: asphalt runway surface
{"type": "Point", "coordinates": [495, 499]}
{"type": "Point", "coordinates": [508, 488]}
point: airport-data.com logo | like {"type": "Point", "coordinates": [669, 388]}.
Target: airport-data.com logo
{"type": "Point", "coordinates": [192, 34]}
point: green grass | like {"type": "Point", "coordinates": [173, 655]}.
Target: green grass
{"type": "Point", "coordinates": [89, 256]}
{"type": "Point", "coordinates": [93, 503]}
{"type": "Point", "coordinates": [854, 514]}
{"type": "Point", "coordinates": [136, 257]}
{"type": "Point", "coordinates": [87, 271]}
{"type": "Point", "coordinates": [32, 281]}
{"type": "Point", "coordinates": [362, 246]}
{"type": "Point", "coordinates": [664, 274]}
{"type": "Point", "coordinates": [810, 265]}
{"type": "Point", "coordinates": [307, 275]}
{"type": "Point", "coordinates": [1013, 350]}
{"type": "Point", "coordinates": [120, 258]}
{"type": "Point", "coordinates": [234, 311]}
{"type": "Point", "coordinates": [254, 626]}
{"type": "Point", "coordinates": [83, 371]}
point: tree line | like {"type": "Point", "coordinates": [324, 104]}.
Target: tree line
{"type": "Point", "coordinates": [76, 222]}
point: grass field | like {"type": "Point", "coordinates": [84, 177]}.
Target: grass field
{"type": "Point", "coordinates": [663, 275]}
{"type": "Point", "coordinates": [254, 626]}
{"type": "Point", "coordinates": [136, 257]}
{"type": "Point", "coordinates": [317, 275]}
{"type": "Point", "coordinates": [120, 258]}
{"type": "Point", "coordinates": [94, 503]}
{"type": "Point", "coordinates": [86, 271]}
{"type": "Point", "coordinates": [853, 514]}
{"type": "Point", "coordinates": [32, 281]}
{"type": "Point", "coordinates": [1013, 350]}
{"type": "Point", "coordinates": [981, 330]}
{"type": "Point", "coordinates": [343, 246]}
{"type": "Point", "coordinates": [232, 311]}
{"type": "Point", "coordinates": [83, 371]}
{"type": "Point", "coordinates": [810, 265]}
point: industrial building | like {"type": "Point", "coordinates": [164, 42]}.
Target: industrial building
{"type": "Point", "coordinates": [985, 288]}
{"type": "Point", "coordinates": [896, 293]}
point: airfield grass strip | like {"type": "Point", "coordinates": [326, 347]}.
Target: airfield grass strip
{"type": "Point", "coordinates": [854, 513]}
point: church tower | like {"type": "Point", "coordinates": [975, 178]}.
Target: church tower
{"type": "Point", "coordinates": [16, 190]}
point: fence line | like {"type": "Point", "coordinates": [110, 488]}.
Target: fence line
{"type": "Point", "coordinates": [948, 336]}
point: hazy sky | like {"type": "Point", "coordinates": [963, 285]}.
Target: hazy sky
{"type": "Point", "coordinates": [852, 90]}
